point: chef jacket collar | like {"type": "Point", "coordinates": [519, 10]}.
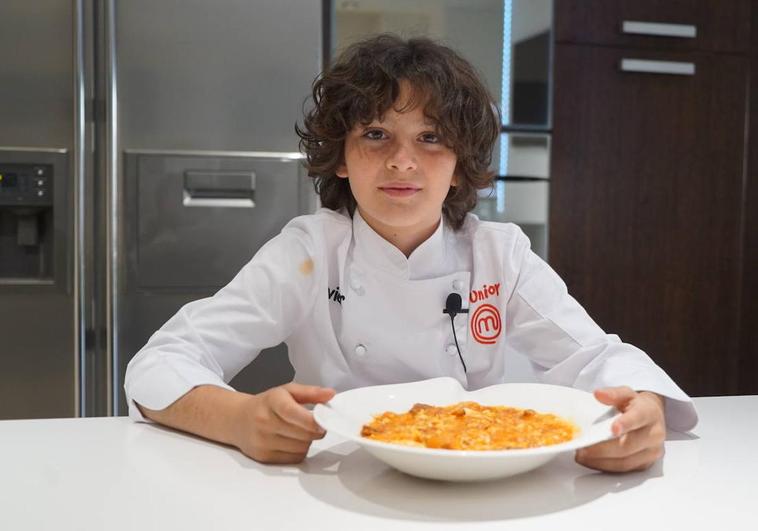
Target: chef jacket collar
{"type": "Point", "coordinates": [426, 261]}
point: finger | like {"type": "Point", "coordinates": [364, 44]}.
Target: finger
{"type": "Point", "coordinates": [628, 444]}
{"type": "Point", "coordinates": [639, 414]}
{"type": "Point", "coordinates": [615, 396]}
{"type": "Point", "coordinates": [288, 445]}
{"type": "Point", "coordinates": [289, 411]}
{"type": "Point", "coordinates": [293, 431]}
{"type": "Point", "coordinates": [276, 457]}
{"type": "Point", "coordinates": [638, 461]}
{"type": "Point", "coordinates": [309, 394]}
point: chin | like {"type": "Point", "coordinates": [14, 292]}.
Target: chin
{"type": "Point", "coordinates": [403, 221]}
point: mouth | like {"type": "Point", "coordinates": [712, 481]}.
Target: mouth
{"type": "Point", "coordinates": [399, 189]}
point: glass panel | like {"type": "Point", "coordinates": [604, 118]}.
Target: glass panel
{"type": "Point", "coordinates": [527, 155]}
{"type": "Point", "coordinates": [515, 201]}
{"type": "Point", "coordinates": [524, 202]}
{"type": "Point", "coordinates": [517, 75]}
{"type": "Point", "coordinates": [527, 91]}
{"type": "Point", "coordinates": [474, 28]}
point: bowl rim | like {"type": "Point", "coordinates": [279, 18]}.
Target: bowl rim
{"type": "Point", "coordinates": [323, 412]}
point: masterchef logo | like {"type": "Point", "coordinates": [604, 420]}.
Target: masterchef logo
{"type": "Point", "coordinates": [486, 323]}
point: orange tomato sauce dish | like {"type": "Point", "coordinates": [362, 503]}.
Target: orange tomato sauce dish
{"type": "Point", "coordinates": [469, 426]}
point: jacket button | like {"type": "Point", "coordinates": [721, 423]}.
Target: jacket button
{"type": "Point", "coordinates": [450, 349]}
{"type": "Point", "coordinates": [360, 350]}
{"type": "Point", "coordinates": [356, 285]}
{"type": "Point", "coordinates": [457, 285]}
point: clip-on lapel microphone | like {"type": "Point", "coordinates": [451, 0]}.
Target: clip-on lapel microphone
{"type": "Point", "coordinates": [452, 308]}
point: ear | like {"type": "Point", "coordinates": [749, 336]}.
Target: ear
{"type": "Point", "coordinates": [341, 171]}
{"type": "Point", "coordinates": [454, 181]}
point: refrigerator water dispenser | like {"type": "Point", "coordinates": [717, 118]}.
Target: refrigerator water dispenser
{"type": "Point", "coordinates": [28, 244]}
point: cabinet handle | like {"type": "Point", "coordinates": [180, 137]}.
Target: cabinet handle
{"type": "Point", "coordinates": [225, 189]}
{"type": "Point", "coordinates": [216, 202]}
{"type": "Point", "coordinates": [659, 29]}
{"type": "Point", "coordinates": [658, 67]}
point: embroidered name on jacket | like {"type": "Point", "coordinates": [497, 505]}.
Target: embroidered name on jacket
{"type": "Point", "coordinates": [484, 293]}
{"type": "Point", "coordinates": [335, 295]}
{"type": "Point", "coordinates": [486, 323]}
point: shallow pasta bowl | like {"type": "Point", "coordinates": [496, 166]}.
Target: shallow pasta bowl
{"type": "Point", "coordinates": [347, 412]}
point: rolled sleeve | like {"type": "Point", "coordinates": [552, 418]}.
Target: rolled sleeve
{"type": "Point", "coordinates": [210, 340]}
{"type": "Point", "coordinates": [566, 347]}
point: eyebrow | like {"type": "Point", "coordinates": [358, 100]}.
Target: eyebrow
{"type": "Point", "coordinates": [427, 123]}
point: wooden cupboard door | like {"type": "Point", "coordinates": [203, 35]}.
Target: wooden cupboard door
{"type": "Point", "coordinates": [720, 25]}
{"type": "Point", "coordinates": [748, 368]}
{"type": "Point", "coordinates": [645, 204]}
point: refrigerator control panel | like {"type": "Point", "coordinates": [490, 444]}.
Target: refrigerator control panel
{"type": "Point", "coordinates": [26, 184]}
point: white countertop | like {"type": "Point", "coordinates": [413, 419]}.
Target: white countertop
{"type": "Point", "coordinates": [112, 474]}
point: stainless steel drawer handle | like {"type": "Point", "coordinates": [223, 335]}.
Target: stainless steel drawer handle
{"type": "Point", "coordinates": [659, 29]}
{"type": "Point", "coordinates": [658, 67]}
{"type": "Point", "coordinates": [225, 189]}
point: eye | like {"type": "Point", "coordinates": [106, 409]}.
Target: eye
{"type": "Point", "coordinates": [430, 138]}
{"type": "Point", "coordinates": [374, 134]}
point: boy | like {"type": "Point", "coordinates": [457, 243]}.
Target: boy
{"type": "Point", "coordinates": [399, 142]}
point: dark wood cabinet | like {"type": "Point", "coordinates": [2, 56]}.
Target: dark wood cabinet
{"type": "Point", "coordinates": [748, 347]}
{"type": "Point", "coordinates": [721, 25]}
{"type": "Point", "coordinates": [648, 200]}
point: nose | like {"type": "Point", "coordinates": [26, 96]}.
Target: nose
{"type": "Point", "coordinates": [401, 157]}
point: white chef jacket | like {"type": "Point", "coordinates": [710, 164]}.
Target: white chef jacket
{"type": "Point", "coordinates": [354, 311]}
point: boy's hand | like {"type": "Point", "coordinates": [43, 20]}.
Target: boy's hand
{"type": "Point", "coordinates": [273, 426]}
{"type": "Point", "coordinates": [642, 430]}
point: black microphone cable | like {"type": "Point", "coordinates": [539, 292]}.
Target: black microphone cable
{"type": "Point", "coordinates": [453, 305]}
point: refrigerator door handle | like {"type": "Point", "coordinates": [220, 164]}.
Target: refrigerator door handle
{"type": "Point", "coordinates": [226, 189]}
{"type": "Point", "coordinates": [79, 160]}
{"type": "Point", "coordinates": [647, 66]}
{"type": "Point", "coordinates": [113, 212]}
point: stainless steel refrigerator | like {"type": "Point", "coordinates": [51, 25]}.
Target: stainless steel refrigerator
{"type": "Point", "coordinates": [147, 150]}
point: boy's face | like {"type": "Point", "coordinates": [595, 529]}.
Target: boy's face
{"type": "Point", "coordinates": [400, 171]}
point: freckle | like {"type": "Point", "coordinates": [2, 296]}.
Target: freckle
{"type": "Point", "coordinates": [306, 268]}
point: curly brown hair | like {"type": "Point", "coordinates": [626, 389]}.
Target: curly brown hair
{"type": "Point", "coordinates": [364, 82]}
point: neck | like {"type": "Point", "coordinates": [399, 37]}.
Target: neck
{"type": "Point", "coordinates": [406, 239]}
